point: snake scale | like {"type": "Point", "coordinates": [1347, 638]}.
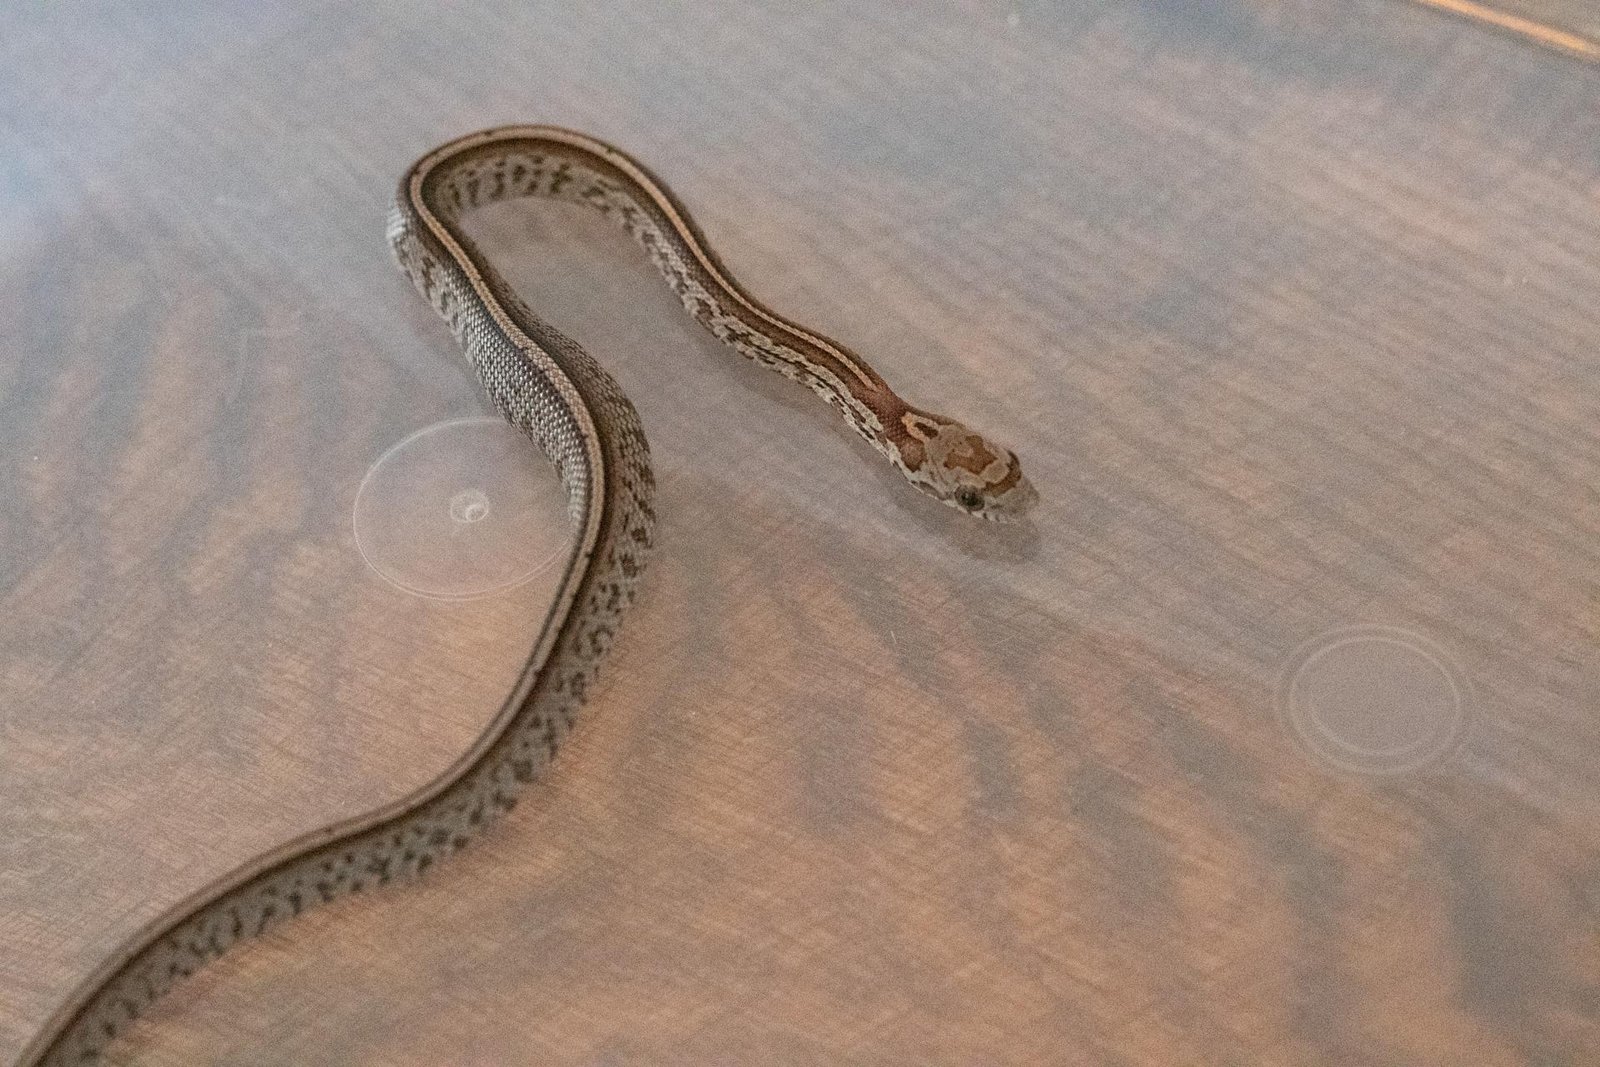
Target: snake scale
{"type": "Point", "coordinates": [553, 392]}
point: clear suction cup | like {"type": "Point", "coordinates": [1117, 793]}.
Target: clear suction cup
{"type": "Point", "coordinates": [461, 509]}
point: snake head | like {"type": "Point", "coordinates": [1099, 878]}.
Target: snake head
{"type": "Point", "coordinates": [962, 468]}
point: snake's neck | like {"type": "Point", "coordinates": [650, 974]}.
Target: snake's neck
{"type": "Point", "coordinates": [552, 164]}
{"type": "Point", "coordinates": [936, 454]}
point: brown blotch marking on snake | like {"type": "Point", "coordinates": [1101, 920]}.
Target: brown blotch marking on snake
{"type": "Point", "coordinates": [919, 430]}
{"type": "Point", "coordinates": [971, 455]}
{"type": "Point", "coordinates": [1013, 476]}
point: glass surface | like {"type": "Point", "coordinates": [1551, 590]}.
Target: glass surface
{"type": "Point", "coordinates": [461, 509]}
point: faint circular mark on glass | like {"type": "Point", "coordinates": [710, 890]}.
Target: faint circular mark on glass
{"type": "Point", "coordinates": [461, 509]}
{"type": "Point", "coordinates": [469, 505]}
{"type": "Point", "coordinates": [1375, 700]}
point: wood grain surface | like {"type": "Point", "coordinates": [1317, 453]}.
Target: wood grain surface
{"type": "Point", "coordinates": [1289, 307]}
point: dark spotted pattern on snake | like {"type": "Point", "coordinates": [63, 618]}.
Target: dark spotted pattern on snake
{"type": "Point", "coordinates": [552, 391]}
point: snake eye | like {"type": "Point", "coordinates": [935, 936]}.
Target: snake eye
{"type": "Point", "coordinates": [970, 499]}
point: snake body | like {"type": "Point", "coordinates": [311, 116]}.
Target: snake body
{"type": "Point", "coordinates": [552, 391]}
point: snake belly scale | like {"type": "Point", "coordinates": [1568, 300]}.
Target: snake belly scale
{"type": "Point", "coordinates": [558, 396]}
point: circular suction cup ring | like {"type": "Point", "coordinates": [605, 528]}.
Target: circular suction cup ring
{"type": "Point", "coordinates": [461, 509]}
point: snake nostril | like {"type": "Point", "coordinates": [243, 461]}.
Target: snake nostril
{"type": "Point", "coordinates": [970, 499]}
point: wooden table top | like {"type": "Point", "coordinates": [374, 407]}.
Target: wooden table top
{"type": "Point", "coordinates": [1274, 738]}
